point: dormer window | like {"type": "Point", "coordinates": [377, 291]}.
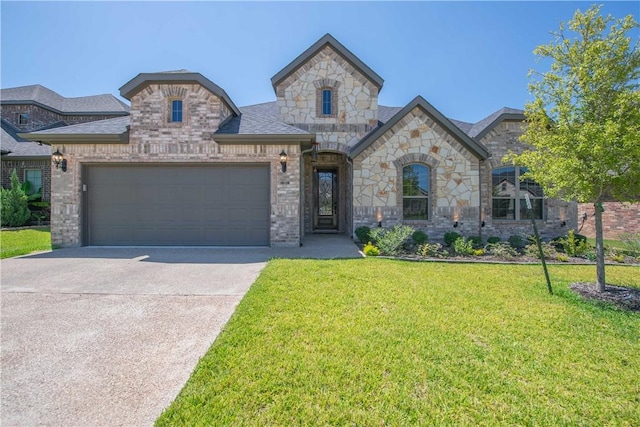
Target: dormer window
{"type": "Point", "coordinates": [23, 119]}
{"type": "Point", "coordinates": [176, 110]}
{"type": "Point", "coordinates": [327, 105]}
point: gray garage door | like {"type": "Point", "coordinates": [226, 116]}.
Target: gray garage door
{"type": "Point", "coordinates": [177, 205]}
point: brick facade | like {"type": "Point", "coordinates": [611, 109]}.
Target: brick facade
{"type": "Point", "coordinates": [40, 117]}
{"type": "Point", "coordinates": [500, 141]}
{"type": "Point", "coordinates": [21, 166]}
{"type": "Point", "coordinates": [154, 139]}
{"type": "Point", "coordinates": [617, 218]}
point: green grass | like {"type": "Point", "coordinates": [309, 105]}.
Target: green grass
{"type": "Point", "coordinates": [608, 243]}
{"type": "Point", "coordinates": [21, 242]}
{"type": "Point", "coordinates": [384, 342]}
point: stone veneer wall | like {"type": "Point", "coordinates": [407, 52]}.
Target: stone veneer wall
{"type": "Point", "coordinates": [455, 187]}
{"type": "Point", "coordinates": [154, 140]}
{"type": "Point", "coordinates": [20, 166]}
{"type": "Point", "coordinates": [357, 101]}
{"type": "Point", "coordinates": [617, 218]}
{"type": "Point", "coordinates": [499, 141]}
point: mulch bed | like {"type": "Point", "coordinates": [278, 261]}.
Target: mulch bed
{"type": "Point", "coordinates": [624, 298]}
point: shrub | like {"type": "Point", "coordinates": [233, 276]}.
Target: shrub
{"type": "Point", "coordinates": [517, 242]}
{"type": "Point", "coordinates": [478, 252]}
{"type": "Point", "coordinates": [591, 256]}
{"type": "Point", "coordinates": [363, 233]}
{"type": "Point", "coordinates": [631, 243]}
{"type": "Point", "coordinates": [450, 237]}
{"type": "Point", "coordinates": [493, 239]}
{"type": "Point", "coordinates": [502, 250]}
{"type": "Point", "coordinates": [419, 237]}
{"type": "Point", "coordinates": [390, 241]}
{"type": "Point", "coordinates": [562, 258]}
{"type": "Point", "coordinates": [548, 250]}
{"type": "Point", "coordinates": [574, 246]}
{"type": "Point", "coordinates": [15, 210]}
{"type": "Point", "coordinates": [370, 250]}
{"type": "Point", "coordinates": [430, 250]}
{"type": "Point", "coordinates": [463, 246]}
{"type": "Point", "coordinates": [476, 241]}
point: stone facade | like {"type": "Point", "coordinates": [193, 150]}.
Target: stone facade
{"type": "Point", "coordinates": [356, 101]}
{"type": "Point", "coordinates": [617, 218]}
{"type": "Point", "coordinates": [559, 216]}
{"type": "Point", "coordinates": [417, 138]}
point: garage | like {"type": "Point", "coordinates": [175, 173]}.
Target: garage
{"type": "Point", "coordinates": [177, 205]}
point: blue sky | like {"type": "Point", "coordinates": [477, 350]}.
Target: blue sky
{"type": "Point", "coordinates": [468, 59]}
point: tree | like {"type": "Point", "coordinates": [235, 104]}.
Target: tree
{"type": "Point", "coordinates": [583, 124]}
{"type": "Point", "coordinates": [15, 209]}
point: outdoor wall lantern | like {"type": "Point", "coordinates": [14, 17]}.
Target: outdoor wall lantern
{"type": "Point", "coordinates": [455, 224]}
{"type": "Point", "coordinates": [59, 161]}
{"type": "Point", "coordinates": [563, 223]}
{"type": "Point", "coordinates": [283, 160]}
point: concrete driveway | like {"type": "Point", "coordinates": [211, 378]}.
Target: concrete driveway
{"type": "Point", "coordinates": [103, 336]}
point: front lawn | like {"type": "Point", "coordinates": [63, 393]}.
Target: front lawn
{"type": "Point", "coordinates": [387, 342]}
{"type": "Point", "coordinates": [21, 242]}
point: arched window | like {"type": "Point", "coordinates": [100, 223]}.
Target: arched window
{"type": "Point", "coordinates": [415, 192]}
{"type": "Point", "coordinates": [327, 102]}
{"type": "Point", "coordinates": [508, 193]}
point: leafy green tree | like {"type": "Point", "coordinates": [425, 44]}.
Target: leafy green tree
{"type": "Point", "coordinates": [584, 121]}
{"type": "Point", "coordinates": [15, 209]}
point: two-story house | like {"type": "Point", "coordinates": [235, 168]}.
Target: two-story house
{"type": "Point", "coordinates": [35, 108]}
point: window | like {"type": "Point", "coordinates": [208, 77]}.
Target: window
{"type": "Point", "coordinates": [34, 178]}
{"type": "Point", "coordinates": [23, 119]}
{"type": "Point", "coordinates": [327, 105]}
{"type": "Point", "coordinates": [415, 192]}
{"type": "Point", "coordinates": [176, 110]}
{"type": "Point", "coordinates": [509, 195]}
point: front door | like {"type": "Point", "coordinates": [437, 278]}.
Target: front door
{"type": "Point", "coordinates": [326, 192]}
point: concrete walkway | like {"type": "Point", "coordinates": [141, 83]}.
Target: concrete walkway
{"type": "Point", "coordinates": [108, 336]}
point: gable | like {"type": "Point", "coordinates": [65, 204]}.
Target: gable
{"type": "Point", "coordinates": [419, 106]}
{"type": "Point", "coordinates": [326, 47]}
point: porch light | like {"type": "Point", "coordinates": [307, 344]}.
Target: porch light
{"type": "Point", "coordinates": [455, 224]}
{"type": "Point", "coordinates": [59, 161]}
{"type": "Point", "coordinates": [283, 160]}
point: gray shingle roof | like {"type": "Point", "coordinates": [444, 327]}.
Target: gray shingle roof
{"type": "Point", "coordinates": [114, 126]}
{"type": "Point", "coordinates": [485, 125]}
{"type": "Point", "coordinates": [255, 124]}
{"type": "Point", "coordinates": [106, 103]}
{"type": "Point", "coordinates": [11, 145]}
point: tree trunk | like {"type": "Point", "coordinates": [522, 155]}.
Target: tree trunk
{"type": "Point", "coordinates": [600, 279]}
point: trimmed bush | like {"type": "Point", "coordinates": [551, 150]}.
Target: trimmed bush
{"type": "Point", "coordinates": [517, 242]}
{"type": "Point", "coordinates": [463, 246]}
{"type": "Point", "coordinates": [390, 241]}
{"type": "Point", "coordinates": [370, 250]}
{"type": "Point", "coordinates": [419, 237]}
{"type": "Point", "coordinates": [450, 237]}
{"type": "Point", "coordinates": [363, 233]}
{"type": "Point", "coordinates": [493, 239]}
{"type": "Point", "coordinates": [502, 250]}
{"type": "Point", "coordinates": [476, 241]}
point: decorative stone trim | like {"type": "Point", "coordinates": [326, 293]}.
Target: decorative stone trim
{"type": "Point", "coordinates": [417, 158]}
{"type": "Point", "coordinates": [322, 85]}
{"type": "Point", "coordinates": [334, 127]}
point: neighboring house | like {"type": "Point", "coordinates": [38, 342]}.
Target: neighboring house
{"type": "Point", "coordinates": [35, 108]}
{"type": "Point", "coordinates": [188, 167]}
